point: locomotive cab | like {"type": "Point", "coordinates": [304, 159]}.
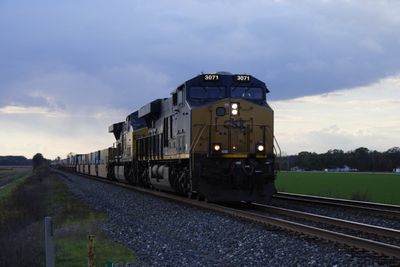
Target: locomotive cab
{"type": "Point", "coordinates": [232, 138]}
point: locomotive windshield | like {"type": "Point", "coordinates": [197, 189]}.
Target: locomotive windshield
{"type": "Point", "coordinates": [251, 93]}
{"type": "Point", "coordinates": [207, 92]}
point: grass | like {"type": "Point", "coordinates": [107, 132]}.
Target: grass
{"type": "Point", "coordinates": [21, 225]}
{"type": "Point", "coordinates": [22, 212]}
{"type": "Point", "coordinates": [374, 187]}
{"type": "Point", "coordinates": [72, 251]}
{"type": "Point", "coordinates": [73, 224]}
{"type": "Point", "coordinates": [11, 179]}
{"type": "Point", "coordinates": [72, 211]}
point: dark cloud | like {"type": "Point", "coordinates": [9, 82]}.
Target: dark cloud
{"type": "Point", "coordinates": [123, 54]}
{"type": "Point", "coordinates": [125, 87]}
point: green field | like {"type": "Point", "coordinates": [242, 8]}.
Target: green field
{"type": "Point", "coordinates": [374, 187]}
{"type": "Point", "coordinates": [11, 178]}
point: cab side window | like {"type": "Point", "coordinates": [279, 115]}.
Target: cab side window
{"type": "Point", "coordinates": [177, 96]}
{"type": "Point", "coordinates": [180, 96]}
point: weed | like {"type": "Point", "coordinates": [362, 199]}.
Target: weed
{"type": "Point", "coordinates": [359, 196]}
{"type": "Point", "coordinates": [281, 189]}
{"type": "Point", "coordinates": [72, 250]}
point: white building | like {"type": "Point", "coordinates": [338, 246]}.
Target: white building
{"type": "Point", "coordinates": [345, 168]}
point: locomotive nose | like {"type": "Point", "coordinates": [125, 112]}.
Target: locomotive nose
{"type": "Point", "coordinates": [238, 129]}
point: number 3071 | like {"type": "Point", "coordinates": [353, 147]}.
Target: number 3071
{"type": "Point", "coordinates": [211, 77]}
{"type": "Point", "coordinates": [242, 78]}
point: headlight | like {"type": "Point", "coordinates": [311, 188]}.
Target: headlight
{"type": "Point", "coordinates": [217, 147]}
{"type": "Point", "coordinates": [235, 109]}
{"type": "Point", "coordinates": [260, 147]}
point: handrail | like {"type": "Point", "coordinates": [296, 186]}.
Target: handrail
{"type": "Point", "coordinates": [279, 148]}
{"type": "Point", "coordinates": [197, 138]}
{"type": "Point", "coordinates": [277, 156]}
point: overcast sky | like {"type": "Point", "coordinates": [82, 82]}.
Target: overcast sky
{"type": "Point", "coordinates": [68, 69]}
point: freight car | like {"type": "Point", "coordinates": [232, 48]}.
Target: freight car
{"type": "Point", "coordinates": [213, 138]}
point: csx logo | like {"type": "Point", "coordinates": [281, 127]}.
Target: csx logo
{"type": "Point", "coordinates": [234, 123]}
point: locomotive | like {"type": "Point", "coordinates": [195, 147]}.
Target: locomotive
{"type": "Point", "coordinates": [212, 138]}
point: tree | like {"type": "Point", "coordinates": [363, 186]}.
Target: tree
{"type": "Point", "coordinates": [393, 156]}
{"type": "Point", "coordinates": [334, 158]}
{"type": "Point", "coordinates": [394, 150]}
{"type": "Point", "coordinates": [359, 159]}
{"type": "Point", "coordinates": [309, 161]}
{"type": "Point", "coordinates": [38, 160]}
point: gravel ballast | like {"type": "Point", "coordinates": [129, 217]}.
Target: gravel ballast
{"type": "Point", "coordinates": [165, 233]}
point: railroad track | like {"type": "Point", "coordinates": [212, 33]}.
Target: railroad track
{"type": "Point", "coordinates": [377, 208]}
{"type": "Point", "coordinates": [392, 252]}
{"type": "Point", "coordinates": [345, 224]}
{"type": "Point", "coordinates": [379, 248]}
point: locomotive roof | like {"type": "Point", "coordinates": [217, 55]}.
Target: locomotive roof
{"type": "Point", "coordinates": [226, 78]}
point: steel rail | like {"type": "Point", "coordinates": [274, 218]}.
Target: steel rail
{"type": "Point", "coordinates": [383, 209]}
{"type": "Point", "coordinates": [367, 228]}
{"type": "Point", "coordinates": [380, 248]}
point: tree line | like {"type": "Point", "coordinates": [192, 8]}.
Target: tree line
{"type": "Point", "coordinates": [361, 159]}
{"type": "Point", "coordinates": [36, 160]}
{"type": "Point", "coordinates": [14, 161]}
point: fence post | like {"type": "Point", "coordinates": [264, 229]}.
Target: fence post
{"type": "Point", "coordinates": [49, 242]}
{"type": "Point", "coordinates": [91, 253]}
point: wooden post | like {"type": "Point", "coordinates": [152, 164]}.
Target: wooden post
{"type": "Point", "coordinates": [49, 242]}
{"type": "Point", "coordinates": [91, 253]}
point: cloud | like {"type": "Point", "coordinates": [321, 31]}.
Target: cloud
{"type": "Point", "coordinates": [23, 110]}
{"type": "Point", "coordinates": [344, 119]}
{"type": "Point", "coordinates": [28, 130]}
{"type": "Point", "coordinates": [119, 87]}
{"type": "Point", "coordinates": [297, 47]}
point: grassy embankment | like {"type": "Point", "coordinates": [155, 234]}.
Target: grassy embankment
{"type": "Point", "coordinates": [22, 212]}
{"type": "Point", "coordinates": [374, 187]}
{"type": "Point", "coordinates": [11, 178]}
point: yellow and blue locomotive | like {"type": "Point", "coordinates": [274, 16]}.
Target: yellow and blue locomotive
{"type": "Point", "coordinates": [213, 138]}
